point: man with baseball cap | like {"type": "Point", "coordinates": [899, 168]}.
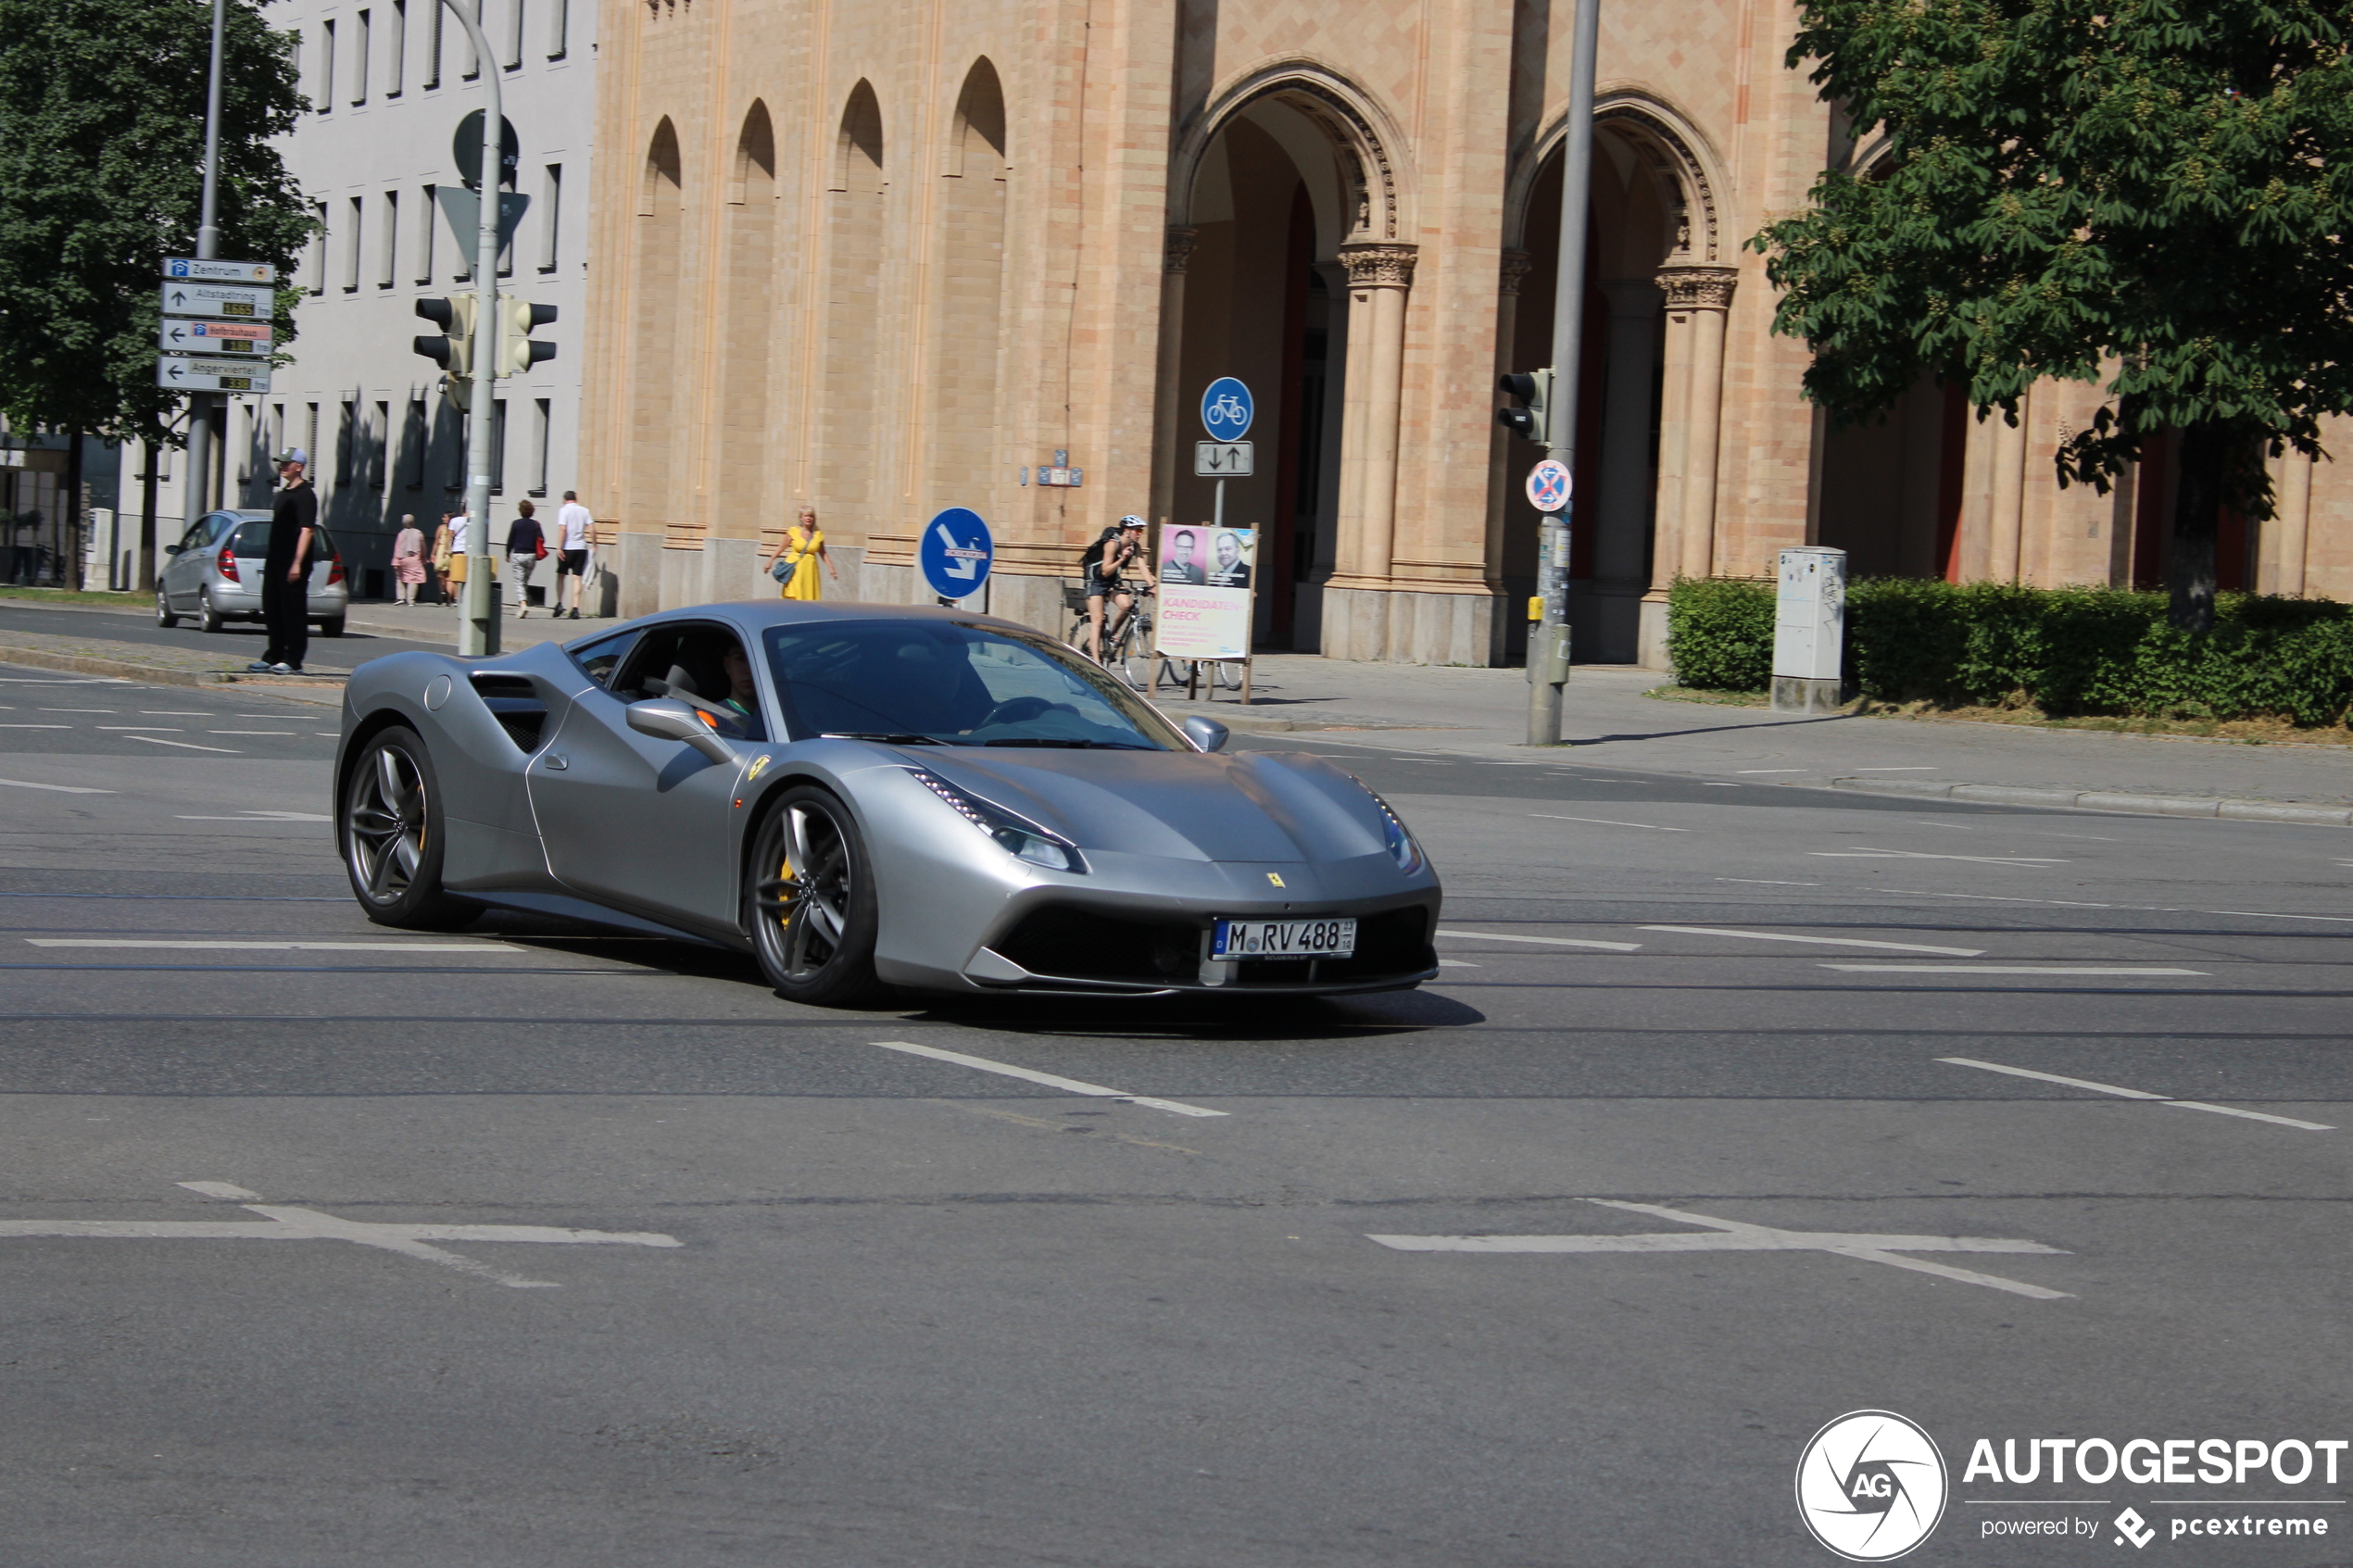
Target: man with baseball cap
{"type": "Point", "coordinates": [285, 573]}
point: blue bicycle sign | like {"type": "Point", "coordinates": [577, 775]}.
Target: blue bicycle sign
{"type": "Point", "coordinates": [1225, 410]}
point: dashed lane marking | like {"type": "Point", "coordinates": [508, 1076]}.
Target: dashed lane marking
{"type": "Point", "coordinates": [1820, 941]}
{"type": "Point", "coordinates": [1545, 941]}
{"type": "Point", "coordinates": [61, 789]}
{"type": "Point", "coordinates": [1604, 821]}
{"type": "Point", "coordinates": [1922, 854]}
{"type": "Point", "coordinates": [2122, 1093]}
{"type": "Point", "coordinates": [184, 745]}
{"type": "Point", "coordinates": [249, 947]}
{"type": "Point", "coordinates": [2000, 969]}
{"type": "Point", "coordinates": [1733, 1235]}
{"type": "Point", "coordinates": [1051, 1080]}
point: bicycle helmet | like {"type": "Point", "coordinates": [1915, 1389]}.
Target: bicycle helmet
{"type": "Point", "coordinates": [1132, 520]}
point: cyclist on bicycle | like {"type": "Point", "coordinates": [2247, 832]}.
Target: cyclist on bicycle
{"type": "Point", "coordinates": [1104, 566]}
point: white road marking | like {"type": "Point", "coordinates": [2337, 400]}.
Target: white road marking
{"type": "Point", "coordinates": [1714, 784]}
{"type": "Point", "coordinates": [1732, 1236]}
{"type": "Point", "coordinates": [1922, 854]}
{"type": "Point", "coordinates": [1996, 969]}
{"type": "Point", "coordinates": [1546, 941]}
{"type": "Point", "coordinates": [282, 1224]}
{"type": "Point", "coordinates": [1921, 767]}
{"type": "Point", "coordinates": [151, 729]}
{"type": "Point", "coordinates": [1455, 963]}
{"type": "Point", "coordinates": [1604, 821]}
{"type": "Point", "coordinates": [183, 744]}
{"type": "Point", "coordinates": [35, 726]}
{"type": "Point", "coordinates": [248, 947]}
{"type": "Point", "coordinates": [2136, 1094]}
{"type": "Point", "coordinates": [248, 731]}
{"type": "Point", "coordinates": [1068, 1085]}
{"type": "Point", "coordinates": [1767, 882]}
{"type": "Point", "coordinates": [82, 711]}
{"type": "Point", "coordinates": [175, 713]}
{"type": "Point", "coordinates": [61, 789]}
{"type": "Point", "coordinates": [1819, 941]}
{"type": "Point", "coordinates": [2142, 908]}
{"type": "Point", "coordinates": [261, 816]}
{"type": "Point", "coordinates": [1771, 769]}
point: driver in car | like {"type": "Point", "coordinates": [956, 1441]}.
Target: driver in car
{"type": "Point", "coordinates": [743, 697]}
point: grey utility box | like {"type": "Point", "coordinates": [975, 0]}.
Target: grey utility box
{"type": "Point", "coordinates": [1809, 631]}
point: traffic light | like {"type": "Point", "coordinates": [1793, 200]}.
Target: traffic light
{"type": "Point", "coordinates": [517, 353]}
{"type": "Point", "coordinates": [453, 347]}
{"type": "Point", "coordinates": [1532, 391]}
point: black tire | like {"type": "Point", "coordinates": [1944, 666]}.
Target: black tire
{"type": "Point", "coordinates": [810, 902]}
{"type": "Point", "coordinates": [332, 626]}
{"type": "Point", "coordinates": [164, 618]}
{"type": "Point", "coordinates": [1136, 654]}
{"type": "Point", "coordinates": [389, 825]}
{"type": "Point", "coordinates": [206, 617]}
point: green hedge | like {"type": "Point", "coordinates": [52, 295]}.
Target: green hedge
{"type": "Point", "coordinates": [2065, 650]}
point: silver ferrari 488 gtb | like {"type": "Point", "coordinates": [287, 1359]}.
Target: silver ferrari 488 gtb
{"type": "Point", "coordinates": [869, 796]}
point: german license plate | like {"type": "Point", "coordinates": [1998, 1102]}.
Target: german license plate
{"type": "Point", "coordinates": [1283, 939]}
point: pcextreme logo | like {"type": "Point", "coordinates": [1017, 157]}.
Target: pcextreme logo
{"type": "Point", "coordinates": [1871, 1485]}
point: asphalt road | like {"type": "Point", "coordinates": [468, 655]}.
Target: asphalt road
{"type": "Point", "coordinates": [239, 639]}
{"type": "Point", "coordinates": [849, 1304]}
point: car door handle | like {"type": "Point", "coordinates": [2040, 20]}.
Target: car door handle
{"type": "Point", "coordinates": [558, 761]}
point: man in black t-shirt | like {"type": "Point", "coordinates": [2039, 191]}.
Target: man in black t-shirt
{"type": "Point", "coordinates": [285, 573]}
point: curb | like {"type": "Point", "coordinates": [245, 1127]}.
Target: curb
{"type": "Point", "coordinates": [159, 674]}
{"type": "Point", "coordinates": [2109, 800]}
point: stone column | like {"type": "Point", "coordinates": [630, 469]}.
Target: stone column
{"type": "Point", "coordinates": [1697, 299]}
{"type": "Point", "coordinates": [1176, 252]}
{"type": "Point", "coordinates": [1621, 511]}
{"type": "Point", "coordinates": [1378, 276]}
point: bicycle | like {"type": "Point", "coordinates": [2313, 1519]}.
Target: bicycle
{"type": "Point", "coordinates": [1127, 640]}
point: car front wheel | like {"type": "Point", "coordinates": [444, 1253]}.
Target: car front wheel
{"type": "Point", "coordinates": [810, 901]}
{"type": "Point", "coordinates": [390, 826]}
{"type": "Point", "coordinates": [164, 618]}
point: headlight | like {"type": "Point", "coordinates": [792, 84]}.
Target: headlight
{"type": "Point", "coordinates": [1396, 840]}
{"type": "Point", "coordinates": [1023, 840]}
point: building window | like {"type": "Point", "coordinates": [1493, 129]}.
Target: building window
{"type": "Point", "coordinates": [414, 443]}
{"type": "Point", "coordinates": [346, 437]}
{"type": "Point", "coordinates": [499, 446]}
{"type": "Point", "coordinates": [559, 26]}
{"type": "Point", "coordinates": [425, 227]}
{"type": "Point", "coordinates": [473, 56]}
{"type": "Point", "coordinates": [397, 46]}
{"type": "Point", "coordinates": [325, 101]}
{"type": "Point", "coordinates": [310, 434]}
{"type": "Point", "coordinates": [389, 245]}
{"type": "Point", "coordinates": [351, 247]}
{"type": "Point", "coordinates": [542, 422]}
{"type": "Point", "coordinates": [277, 431]}
{"type": "Point", "coordinates": [551, 200]}
{"type": "Point", "coordinates": [514, 34]}
{"type": "Point", "coordinates": [245, 455]}
{"type": "Point", "coordinates": [432, 47]}
{"type": "Point", "coordinates": [360, 28]}
{"type": "Point", "coordinates": [319, 249]}
{"type": "Point", "coordinates": [379, 439]}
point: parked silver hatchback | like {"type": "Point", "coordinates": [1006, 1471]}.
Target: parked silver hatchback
{"type": "Point", "coordinates": [214, 575]}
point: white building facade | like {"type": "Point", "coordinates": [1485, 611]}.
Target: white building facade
{"type": "Point", "coordinates": [388, 83]}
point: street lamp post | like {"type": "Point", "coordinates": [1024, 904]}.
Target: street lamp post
{"type": "Point", "coordinates": [196, 494]}
{"type": "Point", "coordinates": [1548, 642]}
{"type": "Point", "coordinates": [478, 623]}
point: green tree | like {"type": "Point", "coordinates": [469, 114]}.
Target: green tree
{"type": "Point", "coordinates": [2153, 194]}
{"type": "Point", "coordinates": [102, 111]}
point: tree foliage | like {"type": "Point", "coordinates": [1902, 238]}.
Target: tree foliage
{"type": "Point", "coordinates": [2152, 195]}
{"type": "Point", "coordinates": [102, 112]}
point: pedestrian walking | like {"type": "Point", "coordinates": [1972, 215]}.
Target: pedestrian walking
{"type": "Point", "coordinates": [441, 560]}
{"type": "Point", "coordinates": [525, 544]}
{"type": "Point", "coordinates": [794, 561]}
{"type": "Point", "coordinates": [573, 523]}
{"type": "Point", "coordinates": [285, 569]}
{"type": "Point", "coordinates": [408, 561]}
{"type": "Point", "coordinates": [453, 567]}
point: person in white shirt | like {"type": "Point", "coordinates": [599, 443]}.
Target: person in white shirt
{"type": "Point", "coordinates": [572, 563]}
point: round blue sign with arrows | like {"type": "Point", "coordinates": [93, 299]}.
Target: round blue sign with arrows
{"type": "Point", "coordinates": [1226, 410]}
{"type": "Point", "coordinates": [955, 552]}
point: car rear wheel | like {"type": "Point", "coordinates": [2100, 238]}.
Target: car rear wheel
{"type": "Point", "coordinates": [811, 904]}
{"type": "Point", "coordinates": [392, 836]}
{"type": "Point", "coordinates": [164, 618]}
{"type": "Point", "coordinates": [207, 617]}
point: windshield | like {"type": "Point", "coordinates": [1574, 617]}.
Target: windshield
{"type": "Point", "coordinates": [943, 682]}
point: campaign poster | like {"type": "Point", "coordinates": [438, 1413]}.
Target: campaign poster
{"type": "Point", "coordinates": [1204, 590]}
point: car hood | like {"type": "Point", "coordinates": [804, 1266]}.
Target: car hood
{"type": "Point", "coordinates": [1260, 807]}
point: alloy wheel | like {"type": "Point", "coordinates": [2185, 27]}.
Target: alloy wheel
{"type": "Point", "coordinates": [387, 836]}
{"type": "Point", "coordinates": [804, 907]}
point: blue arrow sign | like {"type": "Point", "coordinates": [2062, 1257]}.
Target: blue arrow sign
{"type": "Point", "coordinates": [1227, 410]}
{"type": "Point", "coordinates": [955, 552]}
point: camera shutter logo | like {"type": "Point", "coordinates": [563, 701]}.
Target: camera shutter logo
{"type": "Point", "coordinates": [1871, 1485]}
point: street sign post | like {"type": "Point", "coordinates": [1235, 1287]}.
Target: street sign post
{"type": "Point", "coordinates": [174, 335]}
{"type": "Point", "coordinates": [1548, 484]}
{"type": "Point", "coordinates": [1226, 410]}
{"type": "Point", "coordinates": [1222, 460]}
{"type": "Point", "coordinates": [464, 208]}
{"type": "Point", "coordinates": [189, 373]}
{"type": "Point", "coordinates": [237, 301]}
{"type": "Point", "coordinates": [955, 553]}
{"type": "Point", "coordinates": [204, 271]}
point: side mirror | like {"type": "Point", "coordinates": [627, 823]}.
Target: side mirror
{"type": "Point", "coordinates": [1207, 734]}
{"type": "Point", "coordinates": [668, 719]}
{"type": "Point", "coordinates": [171, 549]}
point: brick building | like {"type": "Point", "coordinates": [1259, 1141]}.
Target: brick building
{"type": "Point", "coordinates": [887, 259]}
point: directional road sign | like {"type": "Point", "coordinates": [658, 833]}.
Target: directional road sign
{"type": "Point", "coordinates": [177, 336]}
{"type": "Point", "coordinates": [1225, 410]}
{"type": "Point", "coordinates": [219, 271]}
{"type": "Point", "coordinates": [955, 553]}
{"type": "Point", "coordinates": [1222, 460]}
{"type": "Point", "coordinates": [235, 301]}
{"type": "Point", "coordinates": [191, 374]}
{"type": "Point", "coordinates": [1548, 486]}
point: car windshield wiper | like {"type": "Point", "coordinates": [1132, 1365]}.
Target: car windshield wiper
{"type": "Point", "coordinates": [884, 739]}
{"type": "Point", "coordinates": [1076, 744]}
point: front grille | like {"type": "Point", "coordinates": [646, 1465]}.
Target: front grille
{"type": "Point", "coordinates": [1083, 944]}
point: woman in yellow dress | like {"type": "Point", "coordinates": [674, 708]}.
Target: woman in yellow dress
{"type": "Point", "coordinates": [800, 550]}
